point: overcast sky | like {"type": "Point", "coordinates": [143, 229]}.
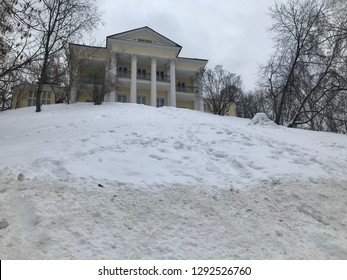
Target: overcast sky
{"type": "Point", "coordinates": [233, 33]}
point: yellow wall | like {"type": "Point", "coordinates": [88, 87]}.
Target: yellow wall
{"type": "Point", "coordinates": [123, 90]}
{"type": "Point", "coordinates": [185, 104]}
{"type": "Point", "coordinates": [146, 67]}
{"type": "Point", "coordinates": [145, 92]}
{"type": "Point", "coordinates": [146, 50]}
{"type": "Point", "coordinates": [162, 68]}
{"type": "Point", "coordinates": [83, 96]}
{"type": "Point", "coordinates": [232, 110]}
{"type": "Point", "coordinates": [21, 94]}
{"type": "Point", "coordinates": [162, 94]}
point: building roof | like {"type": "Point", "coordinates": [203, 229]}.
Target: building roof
{"type": "Point", "coordinates": [144, 35]}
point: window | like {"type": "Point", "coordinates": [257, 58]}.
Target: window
{"type": "Point", "coordinates": [181, 87]}
{"type": "Point", "coordinates": [141, 74]}
{"type": "Point", "coordinates": [160, 76]}
{"type": "Point", "coordinates": [31, 102]}
{"type": "Point", "coordinates": [123, 72]}
{"type": "Point", "coordinates": [31, 94]}
{"type": "Point", "coordinates": [141, 99]}
{"type": "Point", "coordinates": [31, 98]}
{"type": "Point", "coordinates": [92, 78]}
{"type": "Point", "coordinates": [207, 107]}
{"type": "Point", "coordinates": [46, 97]}
{"type": "Point", "coordinates": [123, 98]}
{"type": "Point", "coordinates": [160, 101]}
{"type": "Point", "coordinates": [144, 40]}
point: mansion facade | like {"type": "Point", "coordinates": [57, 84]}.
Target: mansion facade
{"type": "Point", "coordinates": [137, 66]}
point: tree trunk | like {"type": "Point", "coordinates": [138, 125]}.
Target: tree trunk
{"type": "Point", "coordinates": [42, 80]}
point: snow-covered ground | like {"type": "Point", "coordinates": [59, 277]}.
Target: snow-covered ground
{"type": "Point", "coordinates": [125, 181]}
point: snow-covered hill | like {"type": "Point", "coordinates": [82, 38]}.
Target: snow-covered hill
{"type": "Point", "coordinates": [131, 181]}
{"type": "Point", "coordinates": [145, 146]}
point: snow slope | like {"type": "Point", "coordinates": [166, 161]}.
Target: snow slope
{"type": "Point", "coordinates": [131, 181]}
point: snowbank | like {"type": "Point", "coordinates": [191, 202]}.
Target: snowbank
{"type": "Point", "coordinates": [262, 120]}
{"type": "Point", "coordinates": [123, 181]}
{"type": "Point", "coordinates": [145, 146]}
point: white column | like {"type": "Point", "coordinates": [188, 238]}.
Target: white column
{"type": "Point", "coordinates": [172, 101]}
{"type": "Point", "coordinates": [112, 97]}
{"type": "Point", "coordinates": [201, 99]}
{"type": "Point", "coordinates": [133, 85]}
{"type": "Point", "coordinates": [74, 78]}
{"type": "Point", "coordinates": [201, 105]}
{"type": "Point", "coordinates": [196, 104]}
{"type": "Point", "coordinates": [154, 82]}
{"type": "Point", "coordinates": [73, 95]}
{"type": "Point", "coordinates": [199, 102]}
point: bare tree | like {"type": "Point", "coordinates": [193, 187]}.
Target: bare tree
{"type": "Point", "coordinates": [21, 95]}
{"type": "Point", "coordinates": [5, 97]}
{"type": "Point", "coordinates": [6, 91]}
{"type": "Point", "coordinates": [75, 58]}
{"type": "Point", "coordinates": [304, 77]}
{"type": "Point", "coordinates": [90, 76]}
{"type": "Point", "coordinates": [220, 89]}
{"type": "Point", "coordinates": [61, 21]}
{"type": "Point", "coordinates": [250, 103]}
{"type": "Point", "coordinates": [95, 87]}
{"type": "Point", "coordinates": [79, 58]}
{"type": "Point", "coordinates": [18, 45]}
{"type": "Point", "coordinates": [104, 83]}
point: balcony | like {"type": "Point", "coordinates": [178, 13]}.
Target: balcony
{"type": "Point", "coordinates": [124, 75]}
{"type": "Point", "coordinates": [186, 89]}
{"type": "Point", "coordinates": [186, 93]}
{"type": "Point", "coordinates": [91, 80]}
{"type": "Point", "coordinates": [145, 76]}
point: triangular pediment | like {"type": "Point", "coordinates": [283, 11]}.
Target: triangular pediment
{"type": "Point", "coordinates": [144, 35]}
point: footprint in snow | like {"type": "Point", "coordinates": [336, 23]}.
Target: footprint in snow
{"type": "Point", "coordinates": [156, 157]}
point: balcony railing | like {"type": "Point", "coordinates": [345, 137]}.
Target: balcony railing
{"type": "Point", "coordinates": [144, 76]}
{"type": "Point", "coordinates": [92, 80]}
{"type": "Point", "coordinates": [163, 78]}
{"type": "Point", "coordinates": [124, 75]}
{"type": "Point", "coordinates": [187, 89]}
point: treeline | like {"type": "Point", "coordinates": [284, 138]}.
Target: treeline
{"type": "Point", "coordinates": [304, 83]}
{"type": "Point", "coordinates": [34, 38]}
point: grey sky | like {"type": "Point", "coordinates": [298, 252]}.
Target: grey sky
{"type": "Point", "coordinates": [228, 32]}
